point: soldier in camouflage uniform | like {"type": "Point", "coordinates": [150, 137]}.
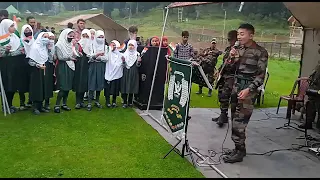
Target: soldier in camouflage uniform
{"type": "Point", "coordinates": [225, 88]}
{"type": "Point", "coordinates": [251, 61]}
{"type": "Point", "coordinates": [313, 105]}
{"type": "Point", "coordinates": [208, 58]}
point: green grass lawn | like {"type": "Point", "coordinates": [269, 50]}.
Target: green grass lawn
{"type": "Point", "coordinates": [101, 143]}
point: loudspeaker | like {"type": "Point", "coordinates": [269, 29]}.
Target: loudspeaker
{"type": "Point", "coordinates": [146, 71]}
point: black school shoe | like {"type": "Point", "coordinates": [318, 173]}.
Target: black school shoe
{"type": "Point", "coordinates": [36, 112]}
{"type": "Point", "coordinates": [78, 106]}
{"type": "Point", "coordinates": [22, 107]}
{"type": "Point", "coordinates": [98, 105]}
{"type": "Point", "coordinates": [47, 107]}
{"type": "Point", "coordinates": [89, 107]}
{"type": "Point", "coordinates": [29, 105]}
{"type": "Point", "coordinates": [65, 107]}
{"type": "Point", "coordinates": [56, 109]}
{"type": "Point", "coordinates": [44, 110]}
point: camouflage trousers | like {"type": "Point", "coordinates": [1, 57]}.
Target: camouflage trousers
{"type": "Point", "coordinates": [224, 93]}
{"type": "Point", "coordinates": [241, 111]}
{"type": "Point", "coordinates": [312, 108]}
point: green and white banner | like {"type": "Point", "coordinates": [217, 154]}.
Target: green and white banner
{"type": "Point", "coordinates": [176, 104]}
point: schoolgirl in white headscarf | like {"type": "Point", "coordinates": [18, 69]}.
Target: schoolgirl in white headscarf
{"type": "Point", "coordinates": [83, 51]}
{"type": "Point", "coordinates": [130, 78]}
{"type": "Point", "coordinates": [27, 41]}
{"type": "Point", "coordinates": [49, 72]}
{"type": "Point", "coordinates": [97, 69]}
{"type": "Point", "coordinates": [93, 37]}
{"type": "Point", "coordinates": [113, 74]}
{"type": "Point", "coordinates": [38, 57]}
{"type": "Point", "coordinates": [65, 67]}
{"type": "Point", "coordinates": [27, 38]}
{"type": "Point", "coordinates": [12, 56]}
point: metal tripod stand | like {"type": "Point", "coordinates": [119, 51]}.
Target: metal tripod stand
{"type": "Point", "coordinates": [185, 146]}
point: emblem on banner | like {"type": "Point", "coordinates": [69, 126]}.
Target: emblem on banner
{"type": "Point", "coordinates": [143, 77]}
{"type": "Point", "coordinates": [178, 89]}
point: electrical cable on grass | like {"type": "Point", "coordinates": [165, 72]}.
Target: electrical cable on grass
{"type": "Point", "coordinates": [213, 153]}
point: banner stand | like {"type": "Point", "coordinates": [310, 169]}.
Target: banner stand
{"type": "Point", "coordinates": [5, 106]}
{"type": "Point", "coordinates": [176, 104]}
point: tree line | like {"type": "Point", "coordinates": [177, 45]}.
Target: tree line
{"type": "Point", "coordinates": [261, 10]}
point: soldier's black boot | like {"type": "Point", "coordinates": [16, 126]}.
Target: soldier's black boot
{"type": "Point", "coordinates": [232, 152]}
{"type": "Point", "coordinates": [223, 118]}
{"type": "Point", "coordinates": [236, 157]}
{"type": "Point", "coordinates": [200, 90]}
{"type": "Point", "coordinates": [210, 93]}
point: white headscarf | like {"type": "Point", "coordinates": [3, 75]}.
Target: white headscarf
{"type": "Point", "coordinates": [13, 38]}
{"type": "Point", "coordinates": [93, 41]}
{"type": "Point", "coordinates": [65, 47]}
{"type": "Point", "coordinates": [131, 56]}
{"type": "Point", "coordinates": [51, 53]}
{"type": "Point", "coordinates": [114, 69]}
{"type": "Point", "coordinates": [38, 51]}
{"type": "Point", "coordinates": [27, 45]}
{"type": "Point", "coordinates": [86, 43]}
{"type": "Point", "coordinates": [99, 47]}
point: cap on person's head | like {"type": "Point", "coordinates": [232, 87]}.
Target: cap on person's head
{"type": "Point", "coordinates": [214, 41]}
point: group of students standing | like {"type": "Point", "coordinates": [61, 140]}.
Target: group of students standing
{"type": "Point", "coordinates": [39, 67]}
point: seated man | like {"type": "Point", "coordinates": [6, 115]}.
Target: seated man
{"type": "Point", "coordinates": [314, 102]}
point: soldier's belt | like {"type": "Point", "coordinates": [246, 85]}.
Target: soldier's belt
{"type": "Point", "coordinates": [243, 82]}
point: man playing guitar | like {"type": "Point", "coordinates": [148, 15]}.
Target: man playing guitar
{"type": "Point", "coordinates": [226, 80]}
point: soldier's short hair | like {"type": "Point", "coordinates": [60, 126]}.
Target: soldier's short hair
{"type": "Point", "coordinates": [247, 26]}
{"type": "Point", "coordinates": [232, 35]}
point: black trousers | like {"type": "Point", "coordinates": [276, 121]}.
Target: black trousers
{"type": "Point", "coordinates": [127, 98]}
{"type": "Point", "coordinates": [79, 97]}
{"type": "Point", "coordinates": [62, 95]}
{"type": "Point", "coordinates": [22, 97]}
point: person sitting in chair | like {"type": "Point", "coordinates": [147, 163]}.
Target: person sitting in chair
{"type": "Point", "coordinates": [314, 102]}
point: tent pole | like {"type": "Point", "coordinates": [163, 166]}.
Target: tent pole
{"type": "Point", "coordinates": [158, 55]}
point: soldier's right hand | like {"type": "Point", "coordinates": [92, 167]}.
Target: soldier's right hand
{"type": "Point", "coordinates": [234, 52]}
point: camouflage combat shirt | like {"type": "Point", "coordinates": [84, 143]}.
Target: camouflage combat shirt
{"type": "Point", "coordinates": [252, 63]}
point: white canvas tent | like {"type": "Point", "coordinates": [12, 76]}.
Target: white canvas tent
{"type": "Point", "coordinates": [306, 14]}
{"type": "Point", "coordinates": [111, 29]}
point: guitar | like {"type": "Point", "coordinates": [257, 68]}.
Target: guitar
{"type": "Point", "coordinates": [219, 78]}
